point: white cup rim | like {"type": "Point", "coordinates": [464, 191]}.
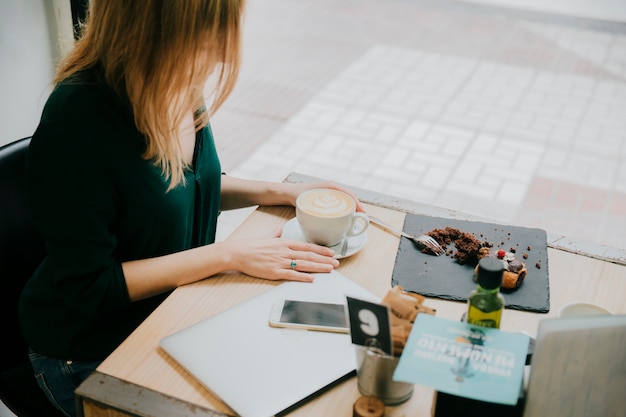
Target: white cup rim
{"type": "Point", "coordinates": [302, 194]}
{"type": "Point", "coordinates": [586, 309]}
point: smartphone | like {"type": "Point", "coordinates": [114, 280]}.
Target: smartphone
{"type": "Point", "coordinates": [325, 317]}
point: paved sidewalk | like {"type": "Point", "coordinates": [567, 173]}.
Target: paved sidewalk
{"type": "Point", "coordinates": [515, 116]}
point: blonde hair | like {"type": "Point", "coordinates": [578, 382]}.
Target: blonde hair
{"type": "Point", "coordinates": [158, 54]}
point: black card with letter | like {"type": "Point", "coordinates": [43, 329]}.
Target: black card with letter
{"type": "Point", "coordinates": [370, 325]}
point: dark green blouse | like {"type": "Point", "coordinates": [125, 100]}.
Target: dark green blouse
{"type": "Point", "coordinates": [99, 203]}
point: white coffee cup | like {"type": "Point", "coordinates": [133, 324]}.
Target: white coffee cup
{"type": "Point", "coordinates": [583, 309]}
{"type": "Point", "coordinates": [327, 216]}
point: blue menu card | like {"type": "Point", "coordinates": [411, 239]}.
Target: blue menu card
{"type": "Point", "coordinates": [461, 359]}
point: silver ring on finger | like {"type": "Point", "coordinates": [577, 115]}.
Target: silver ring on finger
{"type": "Point", "coordinates": [293, 264]}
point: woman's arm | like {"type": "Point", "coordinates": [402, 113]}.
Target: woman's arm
{"type": "Point", "coordinates": [268, 258]}
{"type": "Point", "coordinates": [239, 193]}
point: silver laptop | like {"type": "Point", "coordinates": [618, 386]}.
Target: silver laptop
{"type": "Point", "coordinates": [258, 370]}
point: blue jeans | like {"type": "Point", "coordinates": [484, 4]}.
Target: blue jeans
{"type": "Point", "coordinates": [59, 378]}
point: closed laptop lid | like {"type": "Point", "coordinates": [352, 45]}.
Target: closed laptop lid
{"type": "Point", "coordinates": [578, 368]}
{"type": "Point", "coordinates": [258, 370]}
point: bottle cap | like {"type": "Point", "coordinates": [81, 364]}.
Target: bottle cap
{"type": "Point", "coordinates": [490, 272]}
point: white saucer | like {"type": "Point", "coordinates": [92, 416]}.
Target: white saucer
{"type": "Point", "coordinates": [291, 230]}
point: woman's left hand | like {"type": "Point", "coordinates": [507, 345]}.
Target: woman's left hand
{"type": "Point", "coordinates": [275, 258]}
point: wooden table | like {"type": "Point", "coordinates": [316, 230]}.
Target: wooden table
{"type": "Point", "coordinates": [139, 379]}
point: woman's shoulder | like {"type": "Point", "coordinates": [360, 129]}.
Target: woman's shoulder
{"type": "Point", "coordinates": [84, 101]}
{"type": "Point", "coordinates": [82, 112]}
{"type": "Point", "coordinates": [81, 94]}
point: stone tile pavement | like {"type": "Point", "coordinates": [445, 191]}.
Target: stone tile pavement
{"type": "Point", "coordinates": [515, 116]}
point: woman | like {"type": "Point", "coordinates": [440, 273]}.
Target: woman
{"type": "Point", "coordinates": [125, 184]}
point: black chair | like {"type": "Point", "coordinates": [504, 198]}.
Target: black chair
{"type": "Point", "coordinates": [21, 250]}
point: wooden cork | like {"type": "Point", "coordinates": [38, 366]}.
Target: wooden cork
{"type": "Point", "coordinates": [368, 406]}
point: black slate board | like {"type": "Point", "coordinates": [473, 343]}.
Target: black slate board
{"type": "Point", "coordinates": [443, 277]}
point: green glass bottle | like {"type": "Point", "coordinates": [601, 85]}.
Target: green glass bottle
{"type": "Point", "coordinates": [485, 303]}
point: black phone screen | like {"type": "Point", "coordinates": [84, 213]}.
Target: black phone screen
{"type": "Point", "coordinates": [314, 313]}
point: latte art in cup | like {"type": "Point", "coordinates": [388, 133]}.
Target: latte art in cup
{"type": "Point", "coordinates": [328, 217]}
{"type": "Point", "coordinates": [327, 204]}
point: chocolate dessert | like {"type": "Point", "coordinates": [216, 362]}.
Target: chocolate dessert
{"type": "Point", "coordinates": [466, 246]}
{"type": "Point", "coordinates": [514, 267]}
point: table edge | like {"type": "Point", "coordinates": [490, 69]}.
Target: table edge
{"type": "Point", "coordinates": [122, 395]}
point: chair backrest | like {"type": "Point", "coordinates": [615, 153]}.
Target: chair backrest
{"type": "Point", "coordinates": [21, 251]}
{"type": "Point", "coordinates": [21, 248]}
